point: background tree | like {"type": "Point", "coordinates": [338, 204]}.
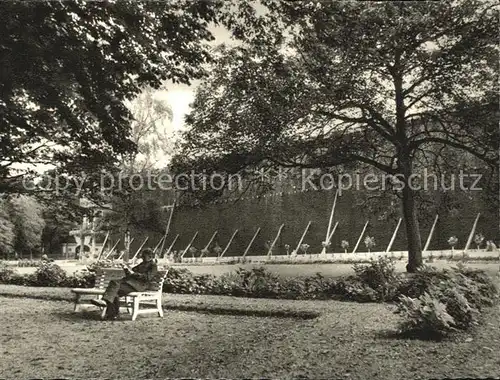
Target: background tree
{"type": "Point", "coordinates": [60, 218]}
{"type": "Point", "coordinates": [26, 214]}
{"type": "Point", "coordinates": [68, 67]}
{"type": "Point", "coordinates": [7, 234]}
{"type": "Point", "coordinates": [320, 84]}
{"type": "Point", "coordinates": [150, 132]}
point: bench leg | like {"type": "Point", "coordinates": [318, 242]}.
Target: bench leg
{"type": "Point", "coordinates": [160, 307]}
{"type": "Point", "coordinates": [103, 312]}
{"type": "Point", "coordinates": [77, 301]}
{"type": "Point", "coordinates": [135, 308]}
{"type": "Point", "coordinates": [128, 301]}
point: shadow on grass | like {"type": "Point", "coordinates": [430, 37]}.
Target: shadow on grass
{"type": "Point", "coordinates": [304, 315]}
{"type": "Point", "coordinates": [94, 315]}
{"type": "Point", "coordinates": [410, 335]}
{"type": "Point", "coordinates": [45, 297]}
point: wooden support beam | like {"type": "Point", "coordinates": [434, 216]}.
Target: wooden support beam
{"type": "Point", "coordinates": [428, 242]}
{"type": "Point", "coordinates": [251, 242]}
{"type": "Point", "coordinates": [189, 245]}
{"type": "Point", "coordinates": [208, 244]}
{"type": "Point", "coordinates": [333, 231]}
{"type": "Point", "coordinates": [103, 247]}
{"type": "Point", "coordinates": [270, 252]}
{"type": "Point", "coordinates": [172, 245]}
{"type": "Point", "coordinates": [303, 236]}
{"type": "Point", "coordinates": [394, 236]}
{"type": "Point", "coordinates": [471, 235]}
{"type": "Point", "coordinates": [323, 251]}
{"type": "Point", "coordinates": [229, 243]}
{"type": "Point", "coordinates": [360, 237]}
{"type": "Point", "coordinates": [158, 245]}
{"type": "Point", "coordinates": [139, 250]}
{"type": "Point", "coordinates": [168, 227]}
{"type": "Point", "coordinates": [112, 250]}
{"type": "Point", "coordinates": [126, 240]}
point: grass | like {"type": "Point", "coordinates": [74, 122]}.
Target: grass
{"type": "Point", "coordinates": [42, 338]}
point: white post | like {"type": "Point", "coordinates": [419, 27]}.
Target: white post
{"type": "Point", "coordinates": [189, 245]}
{"type": "Point", "coordinates": [428, 242]}
{"type": "Point", "coordinates": [139, 250]}
{"type": "Point", "coordinates": [333, 231]}
{"type": "Point", "coordinates": [172, 245]}
{"type": "Point", "coordinates": [229, 243]}
{"type": "Point", "coordinates": [103, 246]}
{"type": "Point", "coordinates": [112, 249]}
{"type": "Point", "coordinates": [393, 236]}
{"type": "Point", "coordinates": [251, 242]}
{"type": "Point", "coordinates": [303, 236]}
{"type": "Point", "coordinates": [471, 235]}
{"type": "Point", "coordinates": [269, 253]}
{"type": "Point", "coordinates": [323, 251]}
{"type": "Point", "coordinates": [168, 227]}
{"type": "Point", "coordinates": [126, 256]}
{"type": "Point", "coordinates": [208, 244]}
{"type": "Point", "coordinates": [360, 237]}
{"type": "Point", "coordinates": [158, 245]}
{"type": "Point", "coordinates": [92, 237]}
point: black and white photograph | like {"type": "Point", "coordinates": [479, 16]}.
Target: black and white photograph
{"type": "Point", "coordinates": [249, 189]}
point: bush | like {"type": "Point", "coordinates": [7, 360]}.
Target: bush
{"type": "Point", "coordinates": [319, 287]}
{"type": "Point", "coordinates": [81, 279]}
{"type": "Point", "coordinates": [379, 276]}
{"type": "Point", "coordinates": [463, 292]}
{"type": "Point", "coordinates": [6, 273]}
{"type": "Point", "coordinates": [48, 274]}
{"type": "Point", "coordinates": [425, 316]}
{"type": "Point", "coordinates": [353, 289]}
{"type": "Point", "coordinates": [183, 281]}
{"type": "Point", "coordinates": [29, 263]}
{"type": "Point", "coordinates": [416, 284]}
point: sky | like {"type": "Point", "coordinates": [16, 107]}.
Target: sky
{"type": "Point", "coordinates": [180, 96]}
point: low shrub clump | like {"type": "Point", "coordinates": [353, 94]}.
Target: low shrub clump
{"type": "Point", "coordinates": [436, 303]}
{"type": "Point", "coordinates": [29, 263]}
{"type": "Point", "coordinates": [47, 274]}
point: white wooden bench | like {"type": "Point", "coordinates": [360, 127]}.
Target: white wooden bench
{"type": "Point", "coordinates": [132, 301]}
{"type": "Point", "coordinates": [150, 298]}
{"type": "Point", "coordinates": [103, 277]}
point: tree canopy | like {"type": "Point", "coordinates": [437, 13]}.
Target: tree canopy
{"type": "Point", "coordinates": [69, 66]}
{"type": "Point", "coordinates": [320, 84]}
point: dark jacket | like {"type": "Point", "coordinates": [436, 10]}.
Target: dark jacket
{"type": "Point", "coordinates": [145, 276]}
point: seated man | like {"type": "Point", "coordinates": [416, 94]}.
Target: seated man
{"type": "Point", "coordinates": [140, 278]}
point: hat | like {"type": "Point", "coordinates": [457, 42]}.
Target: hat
{"type": "Point", "coordinates": [147, 252]}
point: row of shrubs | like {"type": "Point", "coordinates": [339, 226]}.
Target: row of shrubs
{"type": "Point", "coordinates": [431, 302]}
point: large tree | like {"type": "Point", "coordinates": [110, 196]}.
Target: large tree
{"type": "Point", "coordinates": [318, 84]}
{"type": "Point", "coordinates": [69, 66]}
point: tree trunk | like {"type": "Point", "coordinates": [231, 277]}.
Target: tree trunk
{"type": "Point", "coordinates": [412, 230]}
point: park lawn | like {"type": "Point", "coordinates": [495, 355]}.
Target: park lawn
{"type": "Point", "coordinates": [42, 338]}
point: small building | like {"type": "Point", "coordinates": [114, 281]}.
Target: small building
{"type": "Point", "coordinates": [71, 250]}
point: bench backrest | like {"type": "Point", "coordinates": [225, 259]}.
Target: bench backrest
{"type": "Point", "coordinates": [163, 274]}
{"type": "Point", "coordinates": [105, 275]}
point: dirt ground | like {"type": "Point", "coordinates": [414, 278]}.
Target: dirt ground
{"type": "Point", "coordinates": [44, 339]}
